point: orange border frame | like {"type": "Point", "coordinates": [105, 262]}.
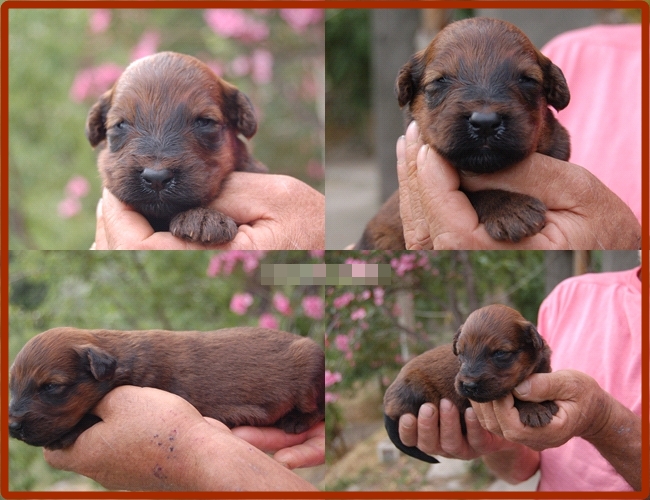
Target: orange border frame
{"type": "Point", "coordinates": [4, 237]}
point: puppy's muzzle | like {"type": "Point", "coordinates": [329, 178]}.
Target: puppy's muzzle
{"type": "Point", "coordinates": [156, 180]}
{"type": "Point", "coordinates": [485, 124]}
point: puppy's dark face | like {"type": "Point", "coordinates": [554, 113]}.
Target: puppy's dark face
{"type": "Point", "coordinates": [170, 127]}
{"type": "Point", "coordinates": [480, 94]}
{"type": "Point", "coordinates": [54, 381]}
{"type": "Point", "coordinates": [497, 349]}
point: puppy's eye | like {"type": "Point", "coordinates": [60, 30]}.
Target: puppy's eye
{"type": "Point", "coordinates": [203, 122]}
{"type": "Point", "coordinates": [51, 388]}
{"type": "Point", "coordinates": [527, 80]}
{"type": "Point", "coordinates": [502, 356]}
{"type": "Point", "coordinates": [120, 125]}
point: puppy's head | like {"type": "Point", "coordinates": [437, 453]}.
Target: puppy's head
{"type": "Point", "coordinates": [170, 129]}
{"type": "Point", "coordinates": [480, 93]}
{"type": "Point", "coordinates": [56, 378]}
{"type": "Point", "coordinates": [497, 349]}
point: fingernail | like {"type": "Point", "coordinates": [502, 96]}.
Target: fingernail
{"type": "Point", "coordinates": [426, 411]}
{"type": "Point", "coordinates": [445, 405]}
{"type": "Point", "coordinates": [422, 155]}
{"type": "Point", "coordinates": [400, 148]}
{"type": "Point", "coordinates": [407, 421]}
{"type": "Point", "coordinates": [470, 414]}
{"type": "Point", "coordinates": [523, 389]}
{"type": "Point", "coordinates": [412, 132]}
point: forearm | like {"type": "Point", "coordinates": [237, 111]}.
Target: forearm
{"type": "Point", "coordinates": [223, 462]}
{"type": "Point", "coordinates": [513, 465]}
{"type": "Point", "coordinates": [619, 442]}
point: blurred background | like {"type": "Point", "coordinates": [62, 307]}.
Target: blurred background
{"type": "Point", "coordinates": [364, 50]}
{"type": "Point", "coordinates": [371, 332]}
{"type": "Point", "coordinates": [61, 60]}
{"type": "Point", "coordinates": [148, 290]}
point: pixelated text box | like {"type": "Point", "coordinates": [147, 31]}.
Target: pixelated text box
{"type": "Point", "coordinates": [326, 274]}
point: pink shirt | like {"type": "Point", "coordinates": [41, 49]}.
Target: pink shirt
{"type": "Point", "coordinates": [593, 324]}
{"type": "Point", "coordinates": [602, 65]}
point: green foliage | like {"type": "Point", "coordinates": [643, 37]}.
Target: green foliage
{"type": "Point", "coordinates": [47, 145]}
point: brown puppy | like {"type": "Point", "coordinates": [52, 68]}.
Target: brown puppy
{"type": "Point", "coordinates": [480, 94]}
{"type": "Point", "coordinates": [240, 376]}
{"type": "Point", "coordinates": [492, 352]}
{"type": "Point", "coordinates": [168, 130]}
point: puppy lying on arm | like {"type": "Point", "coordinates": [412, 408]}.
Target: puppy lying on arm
{"type": "Point", "coordinates": [491, 353]}
{"type": "Point", "coordinates": [240, 376]}
{"type": "Point", "coordinates": [168, 132]}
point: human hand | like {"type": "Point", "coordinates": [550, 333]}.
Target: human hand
{"type": "Point", "coordinates": [291, 450]}
{"type": "Point", "coordinates": [582, 212]}
{"type": "Point", "coordinates": [274, 212]}
{"type": "Point", "coordinates": [438, 432]}
{"type": "Point", "coordinates": [150, 439]}
{"type": "Point", "coordinates": [583, 409]}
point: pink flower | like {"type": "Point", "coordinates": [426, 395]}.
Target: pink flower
{"type": "Point", "coordinates": [69, 207]}
{"type": "Point", "coordinates": [343, 300]}
{"type": "Point", "coordinates": [226, 261]}
{"type": "Point", "coordinates": [240, 66]}
{"type": "Point", "coordinates": [299, 19]}
{"type": "Point", "coordinates": [216, 67]}
{"type": "Point", "coordinates": [233, 23]}
{"type": "Point", "coordinates": [332, 378]}
{"type": "Point", "coordinates": [240, 303]}
{"type": "Point", "coordinates": [282, 304]}
{"type": "Point", "coordinates": [93, 82]}
{"type": "Point", "coordinates": [405, 262]}
{"type": "Point", "coordinates": [342, 343]}
{"type": "Point", "coordinates": [77, 187]}
{"type": "Point", "coordinates": [365, 295]}
{"type": "Point", "coordinates": [378, 294]}
{"type": "Point", "coordinates": [317, 254]}
{"type": "Point", "coordinates": [313, 307]}
{"type": "Point", "coordinates": [100, 20]}
{"type": "Point", "coordinates": [358, 314]}
{"type": "Point", "coordinates": [147, 45]}
{"type": "Point", "coordinates": [330, 397]}
{"type": "Point", "coordinates": [261, 66]}
{"type": "Point", "coordinates": [267, 320]}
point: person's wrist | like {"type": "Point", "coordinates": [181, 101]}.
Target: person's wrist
{"type": "Point", "coordinates": [598, 416]}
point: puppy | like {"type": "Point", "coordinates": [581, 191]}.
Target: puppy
{"type": "Point", "coordinates": [240, 376]}
{"type": "Point", "coordinates": [480, 94]}
{"type": "Point", "coordinates": [168, 134]}
{"type": "Point", "coordinates": [492, 352]}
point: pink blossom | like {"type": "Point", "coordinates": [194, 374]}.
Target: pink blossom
{"type": "Point", "coordinates": [378, 294]}
{"type": "Point", "coordinates": [299, 19]}
{"type": "Point", "coordinates": [226, 261]}
{"type": "Point", "coordinates": [313, 307]}
{"type": "Point", "coordinates": [332, 378]}
{"type": "Point", "coordinates": [93, 82]}
{"type": "Point", "coordinates": [403, 264]}
{"type": "Point", "coordinates": [147, 45]}
{"type": "Point", "coordinates": [358, 314]}
{"type": "Point", "coordinates": [281, 303]}
{"type": "Point", "coordinates": [267, 320]}
{"type": "Point", "coordinates": [343, 300]}
{"type": "Point", "coordinates": [342, 343]}
{"type": "Point", "coordinates": [240, 66]}
{"type": "Point", "coordinates": [261, 66]}
{"type": "Point", "coordinates": [240, 303]}
{"type": "Point", "coordinates": [365, 295]}
{"type": "Point", "coordinates": [233, 23]}
{"type": "Point", "coordinates": [69, 207]}
{"type": "Point", "coordinates": [317, 254]}
{"type": "Point", "coordinates": [100, 20]}
{"type": "Point", "coordinates": [330, 397]}
{"type": "Point", "coordinates": [77, 187]}
{"type": "Point", "coordinates": [216, 67]}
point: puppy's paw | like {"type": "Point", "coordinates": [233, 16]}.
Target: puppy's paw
{"type": "Point", "coordinates": [506, 215]}
{"type": "Point", "coordinates": [536, 414]}
{"type": "Point", "coordinates": [203, 225]}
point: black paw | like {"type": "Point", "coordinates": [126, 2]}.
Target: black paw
{"type": "Point", "coordinates": [536, 414]}
{"type": "Point", "coordinates": [204, 226]}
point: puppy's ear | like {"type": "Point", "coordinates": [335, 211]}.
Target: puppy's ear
{"type": "Point", "coordinates": [100, 363]}
{"type": "Point", "coordinates": [239, 111]}
{"type": "Point", "coordinates": [455, 340]}
{"type": "Point", "coordinates": [555, 86]}
{"type": "Point", "coordinates": [96, 121]}
{"type": "Point", "coordinates": [532, 335]}
{"type": "Point", "coordinates": [408, 79]}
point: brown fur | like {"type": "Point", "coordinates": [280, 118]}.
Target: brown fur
{"type": "Point", "coordinates": [476, 70]}
{"type": "Point", "coordinates": [240, 376]}
{"type": "Point", "coordinates": [492, 352]}
{"type": "Point", "coordinates": [168, 131]}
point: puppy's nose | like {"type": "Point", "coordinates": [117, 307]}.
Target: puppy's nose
{"type": "Point", "coordinates": [470, 386]}
{"type": "Point", "coordinates": [156, 179]}
{"type": "Point", "coordinates": [15, 428]}
{"type": "Point", "coordinates": [485, 124]}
